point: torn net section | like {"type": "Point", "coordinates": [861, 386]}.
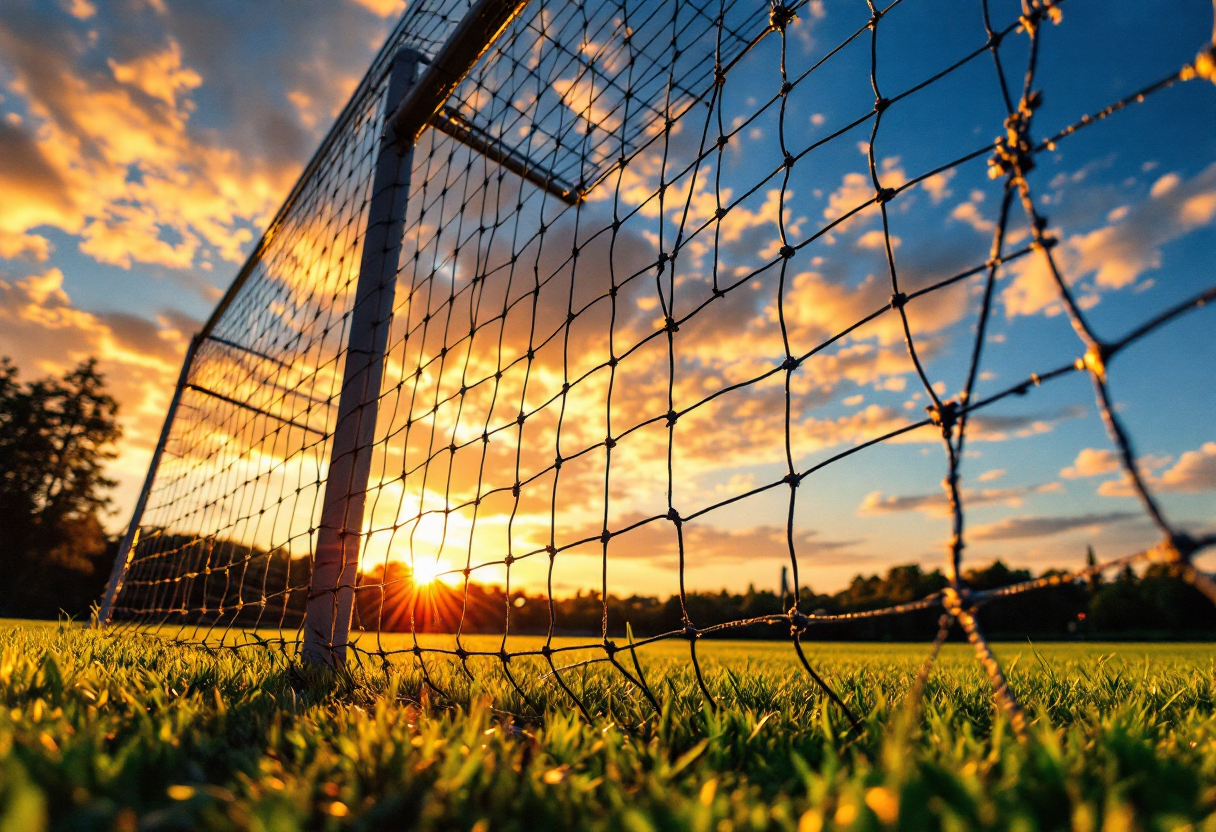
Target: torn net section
{"type": "Point", "coordinates": [556, 373]}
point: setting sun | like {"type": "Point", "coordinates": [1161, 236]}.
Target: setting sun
{"type": "Point", "coordinates": [427, 571]}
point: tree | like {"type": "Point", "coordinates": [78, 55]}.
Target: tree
{"type": "Point", "coordinates": [55, 437]}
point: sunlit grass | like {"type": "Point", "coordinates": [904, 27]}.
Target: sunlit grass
{"type": "Point", "coordinates": [98, 732]}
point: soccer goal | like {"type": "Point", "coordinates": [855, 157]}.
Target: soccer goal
{"type": "Point", "coordinates": [560, 305]}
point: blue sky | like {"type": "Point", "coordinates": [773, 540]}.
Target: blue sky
{"type": "Point", "coordinates": [144, 144]}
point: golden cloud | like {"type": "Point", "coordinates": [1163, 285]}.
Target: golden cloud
{"type": "Point", "coordinates": [112, 158]}
{"type": "Point", "coordinates": [1118, 253]}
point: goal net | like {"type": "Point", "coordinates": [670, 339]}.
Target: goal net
{"type": "Point", "coordinates": [593, 301]}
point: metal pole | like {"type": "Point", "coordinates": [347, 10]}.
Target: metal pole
{"type": "Point", "coordinates": [477, 30]}
{"type": "Point", "coordinates": [455, 125]}
{"type": "Point", "coordinates": [126, 547]}
{"type": "Point", "coordinates": [336, 563]}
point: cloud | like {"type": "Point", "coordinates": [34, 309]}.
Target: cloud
{"type": "Point", "coordinates": [1092, 462]}
{"type": "Point", "coordinates": [35, 194]}
{"type": "Point", "coordinates": [1020, 528]}
{"type": "Point", "coordinates": [589, 102]}
{"type": "Point", "coordinates": [969, 213]}
{"type": "Point", "coordinates": [936, 505]}
{"type": "Point", "coordinates": [998, 428]}
{"type": "Point", "coordinates": [159, 75]}
{"type": "Point", "coordinates": [383, 8]}
{"type": "Point", "coordinates": [1119, 252]}
{"type": "Point", "coordinates": [937, 185]}
{"type": "Point", "coordinates": [857, 189]}
{"type": "Point", "coordinates": [115, 161]}
{"type": "Point", "coordinates": [133, 137]}
{"type": "Point", "coordinates": [1194, 472]}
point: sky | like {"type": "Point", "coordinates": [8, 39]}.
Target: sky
{"type": "Point", "coordinates": [145, 144]}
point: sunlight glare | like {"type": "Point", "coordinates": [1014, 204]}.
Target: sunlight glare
{"type": "Point", "coordinates": [427, 571]}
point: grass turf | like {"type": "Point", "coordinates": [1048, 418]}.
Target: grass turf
{"type": "Point", "coordinates": [102, 732]}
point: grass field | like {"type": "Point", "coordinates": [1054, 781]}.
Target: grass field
{"type": "Point", "coordinates": [132, 733]}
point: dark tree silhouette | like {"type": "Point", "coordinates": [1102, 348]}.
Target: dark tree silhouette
{"type": "Point", "coordinates": [55, 437]}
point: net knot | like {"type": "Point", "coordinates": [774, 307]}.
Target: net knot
{"type": "Point", "coordinates": [1045, 242]}
{"type": "Point", "coordinates": [1094, 360]}
{"type": "Point", "coordinates": [1204, 66]}
{"type": "Point", "coordinates": [780, 15]}
{"type": "Point", "coordinates": [1033, 11]}
{"type": "Point", "coordinates": [557, 463]}
{"type": "Point", "coordinates": [945, 415]}
{"type": "Point", "coordinates": [884, 195]}
{"type": "Point", "coordinates": [669, 324]}
{"type": "Point", "coordinates": [1013, 154]}
{"type": "Point", "coordinates": [609, 442]}
{"type": "Point", "coordinates": [508, 560]}
{"type": "Point", "coordinates": [790, 363]}
{"type": "Point", "coordinates": [515, 490]}
{"type": "Point", "coordinates": [690, 632]}
{"type": "Point", "coordinates": [605, 536]}
{"type": "Point", "coordinates": [721, 212]}
{"type": "Point", "coordinates": [719, 75]}
{"type": "Point", "coordinates": [1176, 549]}
{"type": "Point", "coordinates": [792, 480]}
{"type": "Point", "coordinates": [674, 516]}
{"type": "Point", "coordinates": [551, 551]}
{"type": "Point", "coordinates": [610, 648]}
{"type": "Point", "coordinates": [956, 599]}
{"type": "Point", "coordinates": [723, 141]}
{"type": "Point", "coordinates": [672, 416]}
{"type": "Point", "coordinates": [788, 252]}
{"type": "Point", "coordinates": [898, 300]}
{"type": "Point", "coordinates": [881, 104]}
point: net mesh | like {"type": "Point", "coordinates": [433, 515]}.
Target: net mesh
{"type": "Point", "coordinates": [563, 372]}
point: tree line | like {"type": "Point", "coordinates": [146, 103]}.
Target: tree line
{"type": "Point", "coordinates": [57, 434]}
{"type": "Point", "coordinates": [1155, 604]}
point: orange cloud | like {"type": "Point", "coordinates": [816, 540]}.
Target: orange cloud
{"type": "Point", "coordinates": [1117, 253]}
{"type": "Point", "coordinates": [1092, 462]}
{"type": "Point", "coordinates": [112, 158]}
{"type": "Point", "coordinates": [1193, 473]}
